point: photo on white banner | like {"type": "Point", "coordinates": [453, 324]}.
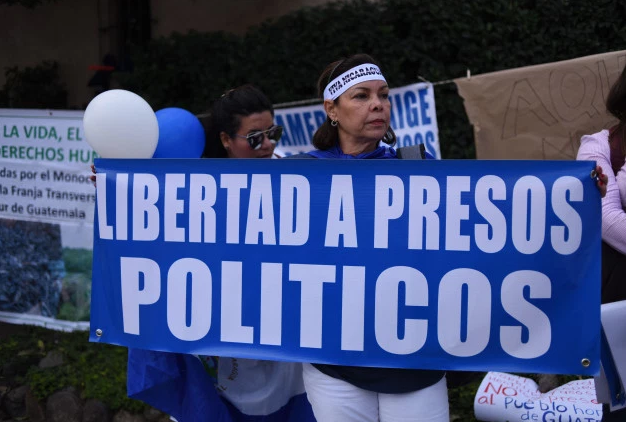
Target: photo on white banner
{"type": "Point", "coordinates": [46, 215]}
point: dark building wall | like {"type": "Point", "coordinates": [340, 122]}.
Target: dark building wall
{"type": "Point", "coordinates": [227, 15]}
{"type": "Point", "coordinates": [79, 33]}
{"type": "Point", "coordinates": [66, 31]}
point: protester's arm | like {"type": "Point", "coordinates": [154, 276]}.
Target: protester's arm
{"type": "Point", "coordinates": [596, 148]}
{"type": "Point", "coordinates": [601, 180]}
{"type": "Point", "coordinates": [621, 184]}
{"type": "Point", "coordinates": [93, 176]}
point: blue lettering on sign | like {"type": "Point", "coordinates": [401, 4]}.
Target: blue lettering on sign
{"type": "Point", "coordinates": [320, 117]}
{"type": "Point", "coordinates": [428, 139]}
{"type": "Point", "coordinates": [310, 128]}
{"type": "Point", "coordinates": [412, 118]}
{"type": "Point", "coordinates": [285, 140]}
{"type": "Point", "coordinates": [424, 105]}
{"type": "Point", "coordinates": [408, 141]}
{"type": "Point", "coordinates": [430, 143]}
{"type": "Point", "coordinates": [299, 127]}
{"type": "Point", "coordinates": [407, 105]}
{"type": "Point", "coordinates": [296, 129]}
{"type": "Point", "coordinates": [397, 115]}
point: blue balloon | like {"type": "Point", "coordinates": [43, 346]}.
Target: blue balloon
{"type": "Point", "coordinates": [181, 134]}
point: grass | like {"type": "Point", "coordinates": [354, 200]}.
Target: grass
{"type": "Point", "coordinates": [95, 370]}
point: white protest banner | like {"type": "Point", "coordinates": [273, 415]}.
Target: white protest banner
{"type": "Point", "coordinates": [44, 167]}
{"type": "Point", "coordinates": [506, 397]}
{"type": "Point", "coordinates": [46, 217]}
{"type": "Point", "coordinates": [413, 119]}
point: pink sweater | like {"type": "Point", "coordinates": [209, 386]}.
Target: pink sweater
{"type": "Point", "coordinates": [596, 148]}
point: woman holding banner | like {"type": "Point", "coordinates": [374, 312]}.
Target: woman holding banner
{"type": "Point", "coordinates": [356, 101]}
{"type": "Point", "coordinates": [608, 149]}
{"type": "Point", "coordinates": [239, 125]}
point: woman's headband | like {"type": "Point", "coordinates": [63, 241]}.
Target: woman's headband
{"type": "Point", "coordinates": [351, 77]}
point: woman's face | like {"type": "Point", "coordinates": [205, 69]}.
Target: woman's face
{"type": "Point", "coordinates": [363, 114]}
{"type": "Point", "coordinates": [238, 146]}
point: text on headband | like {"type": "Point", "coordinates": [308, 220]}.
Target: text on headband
{"type": "Point", "coordinates": [351, 77]}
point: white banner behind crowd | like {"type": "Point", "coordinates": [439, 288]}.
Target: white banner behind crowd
{"type": "Point", "coordinates": [47, 200]}
{"type": "Point", "coordinates": [44, 168]}
{"type": "Point", "coordinates": [46, 218]}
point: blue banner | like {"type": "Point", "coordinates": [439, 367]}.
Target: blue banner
{"type": "Point", "coordinates": [470, 265]}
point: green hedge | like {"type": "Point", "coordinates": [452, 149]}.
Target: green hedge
{"type": "Point", "coordinates": [436, 40]}
{"type": "Point", "coordinates": [96, 370]}
{"type": "Point", "coordinates": [38, 86]}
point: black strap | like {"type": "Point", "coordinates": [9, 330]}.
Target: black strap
{"type": "Point", "coordinates": [413, 152]}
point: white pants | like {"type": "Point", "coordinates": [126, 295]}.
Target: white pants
{"type": "Point", "coordinates": [334, 400]}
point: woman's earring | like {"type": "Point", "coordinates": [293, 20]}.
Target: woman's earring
{"type": "Point", "coordinates": [333, 123]}
{"type": "Point", "coordinates": [388, 136]}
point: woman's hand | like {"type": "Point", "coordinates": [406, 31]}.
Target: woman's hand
{"type": "Point", "coordinates": [601, 181]}
{"type": "Point", "coordinates": [93, 178]}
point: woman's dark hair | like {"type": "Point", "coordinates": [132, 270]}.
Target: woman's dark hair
{"type": "Point", "coordinates": [327, 135]}
{"type": "Point", "coordinates": [226, 114]}
{"type": "Point", "coordinates": [616, 105]}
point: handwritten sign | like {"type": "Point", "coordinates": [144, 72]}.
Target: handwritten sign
{"type": "Point", "coordinates": [541, 111]}
{"type": "Point", "coordinates": [507, 397]}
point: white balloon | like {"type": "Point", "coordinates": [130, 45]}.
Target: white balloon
{"type": "Point", "coordinates": [121, 124]}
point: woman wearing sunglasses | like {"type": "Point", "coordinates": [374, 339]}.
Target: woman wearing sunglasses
{"type": "Point", "coordinates": [241, 125]}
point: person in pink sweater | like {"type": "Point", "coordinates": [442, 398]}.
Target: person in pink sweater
{"type": "Point", "coordinates": [608, 149]}
{"type": "Point", "coordinates": [597, 147]}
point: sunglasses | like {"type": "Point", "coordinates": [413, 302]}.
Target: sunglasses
{"type": "Point", "coordinates": [255, 139]}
